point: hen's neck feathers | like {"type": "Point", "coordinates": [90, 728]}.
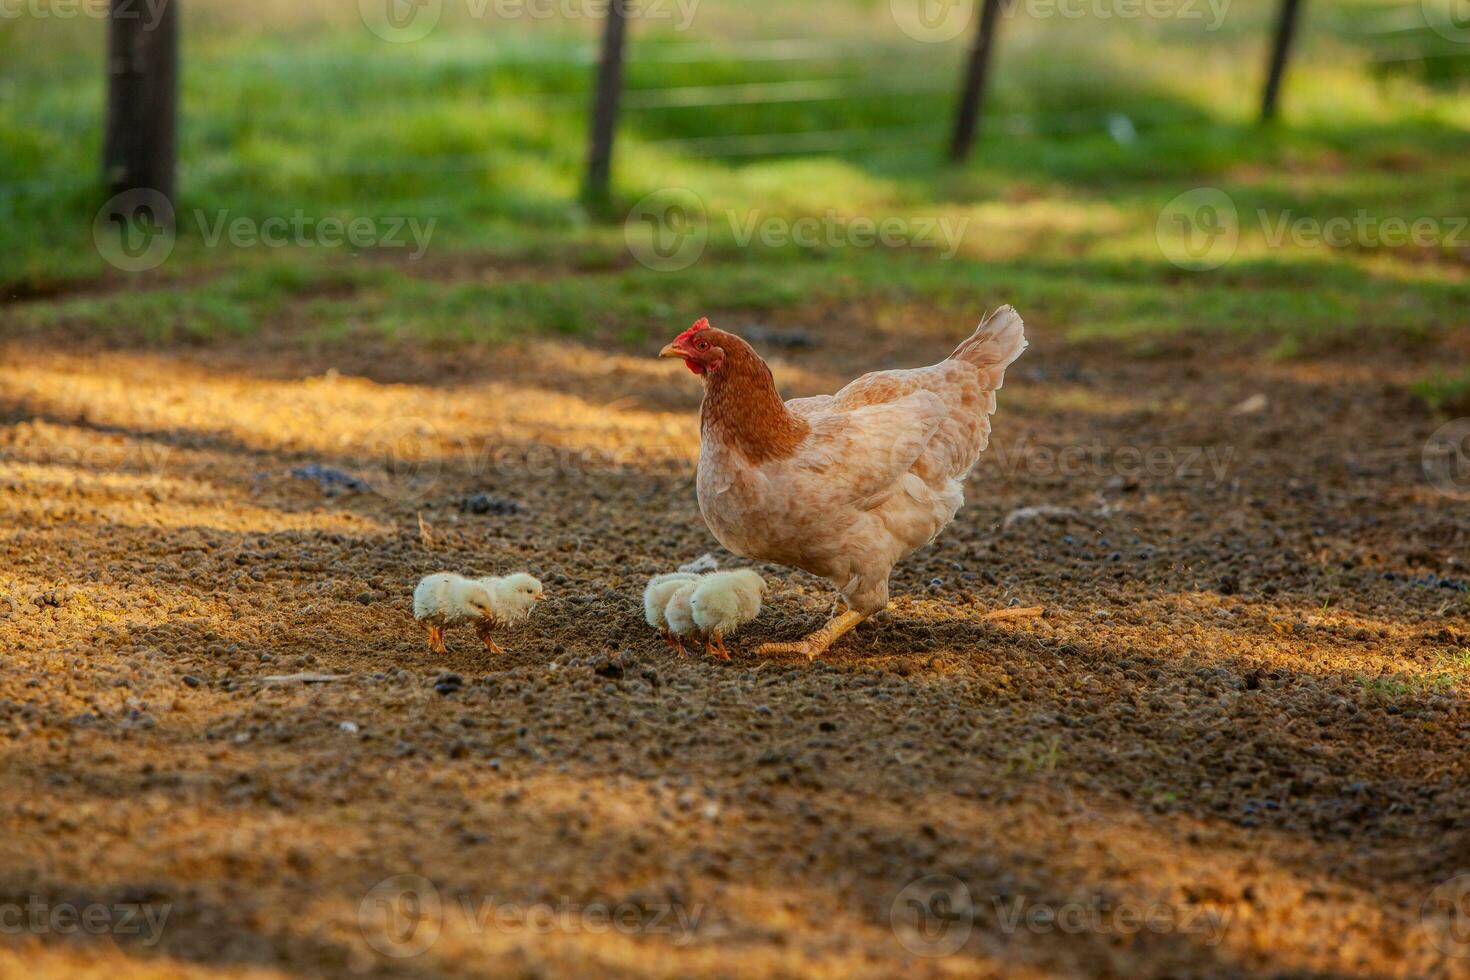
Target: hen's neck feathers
{"type": "Point", "coordinates": [742, 407]}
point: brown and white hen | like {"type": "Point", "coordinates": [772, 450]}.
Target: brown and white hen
{"type": "Point", "coordinates": [843, 486]}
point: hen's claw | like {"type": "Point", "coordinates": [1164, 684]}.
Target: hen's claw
{"type": "Point", "coordinates": [817, 643]}
{"type": "Point", "coordinates": [778, 649]}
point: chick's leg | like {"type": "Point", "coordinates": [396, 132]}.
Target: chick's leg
{"type": "Point", "coordinates": [436, 640]}
{"type": "Point", "coordinates": [816, 644]}
{"type": "Point", "coordinates": [715, 646]}
{"type": "Point", "coordinates": [483, 628]}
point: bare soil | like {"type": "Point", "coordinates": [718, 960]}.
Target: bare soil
{"type": "Point", "coordinates": [1236, 744]}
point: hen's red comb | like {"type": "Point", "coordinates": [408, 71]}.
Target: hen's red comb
{"type": "Point", "coordinates": [701, 324]}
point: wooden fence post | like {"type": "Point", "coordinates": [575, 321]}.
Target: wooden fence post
{"type": "Point", "coordinates": [1280, 52]}
{"type": "Point", "coordinates": [605, 104]}
{"type": "Point", "coordinates": [972, 96]}
{"type": "Point", "coordinates": [140, 143]}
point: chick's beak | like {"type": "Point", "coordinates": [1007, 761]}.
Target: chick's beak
{"type": "Point", "coordinates": [671, 350]}
{"type": "Point", "coordinates": [541, 597]}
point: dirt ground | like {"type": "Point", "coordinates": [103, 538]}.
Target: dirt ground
{"type": "Point", "coordinates": [1236, 744]}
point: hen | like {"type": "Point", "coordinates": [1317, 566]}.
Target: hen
{"type": "Point", "coordinates": [843, 486]}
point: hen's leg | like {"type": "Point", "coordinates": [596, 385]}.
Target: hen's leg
{"type": "Point", "coordinates": [817, 643]}
{"type": "Point", "coordinates": [436, 640]}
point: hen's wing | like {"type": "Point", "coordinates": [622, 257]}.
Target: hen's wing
{"type": "Point", "coordinates": [861, 452]}
{"type": "Point", "coordinates": [931, 421]}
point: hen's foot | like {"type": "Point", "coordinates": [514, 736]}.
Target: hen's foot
{"type": "Point", "coordinates": [817, 643]}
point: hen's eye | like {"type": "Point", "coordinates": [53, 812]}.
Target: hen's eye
{"type": "Point", "coordinates": [702, 345]}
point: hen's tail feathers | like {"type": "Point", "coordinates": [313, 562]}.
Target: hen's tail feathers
{"type": "Point", "coordinates": [999, 340]}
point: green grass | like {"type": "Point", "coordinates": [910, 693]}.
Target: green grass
{"type": "Point", "coordinates": [1387, 688]}
{"type": "Point", "coordinates": [479, 129]}
{"type": "Point", "coordinates": [1457, 661]}
{"type": "Point", "coordinates": [1036, 756]}
{"type": "Point", "coordinates": [1445, 392]}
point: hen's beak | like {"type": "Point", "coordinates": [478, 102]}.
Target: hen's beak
{"type": "Point", "coordinates": [670, 350]}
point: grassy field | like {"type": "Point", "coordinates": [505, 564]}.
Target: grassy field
{"type": "Point", "coordinates": [475, 136]}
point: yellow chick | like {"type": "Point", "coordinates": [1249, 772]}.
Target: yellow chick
{"type": "Point", "coordinates": [656, 600]}
{"type": "Point", "coordinates": [512, 597]}
{"type": "Point", "coordinates": [722, 602]}
{"type": "Point", "coordinates": [679, 614]}
{"type": "Point", "coordinates": [446, 599]}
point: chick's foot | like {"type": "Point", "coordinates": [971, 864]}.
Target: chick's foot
{"type": "Point", "coordinates": [483, 628]}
